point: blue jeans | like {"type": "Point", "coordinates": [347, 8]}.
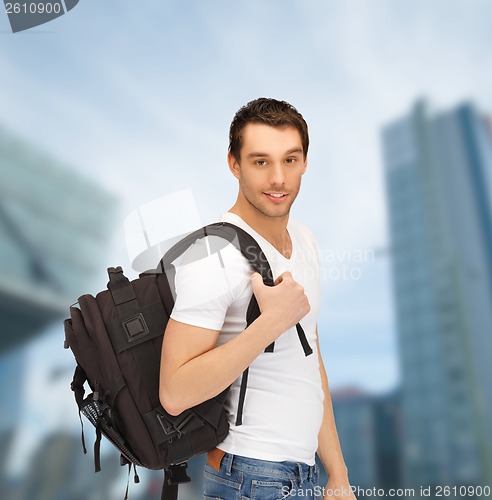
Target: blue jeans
{"type": "Point", "coordinates": [242, 478]}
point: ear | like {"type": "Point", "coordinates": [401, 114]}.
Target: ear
{"type": "Point", "coordinates": [305, 165]}
{"type": "Point", "coordinates": [234, 166]}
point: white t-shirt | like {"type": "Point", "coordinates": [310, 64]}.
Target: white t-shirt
{"type": "Point", "coordinates": [283, 407]}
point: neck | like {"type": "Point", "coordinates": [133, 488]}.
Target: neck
{"type": "Point", "coordinates": [273, 229]}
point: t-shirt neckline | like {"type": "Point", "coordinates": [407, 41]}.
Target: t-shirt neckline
{"type": "Point", "coordinates": [258, 236]}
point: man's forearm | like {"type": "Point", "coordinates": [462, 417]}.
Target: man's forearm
{"type": "Point", "coordinates": [207, 375]}
{"type": "Point", "coordinates": [195, 371]}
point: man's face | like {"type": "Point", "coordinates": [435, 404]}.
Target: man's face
{"type": "Point", "coordinates": [270, 168]}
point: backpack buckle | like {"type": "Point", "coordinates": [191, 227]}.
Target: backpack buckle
{"type": "Point", "coordinates": [169, 430]}
{"type": "Point", "coordinates": [180, 426]}
{"type": "Point", "coordinates": [176, 474]}
{"type": "Point", "coordinates": [135, 327]}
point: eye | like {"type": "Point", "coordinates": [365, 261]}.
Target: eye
{"type": "Point", "coordinates": [290, 160]}
{"type": "Point", "coordinates": [260, 163]}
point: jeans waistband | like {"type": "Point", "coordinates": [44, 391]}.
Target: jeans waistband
{"type": "Point", "coordinates": [286, 470]}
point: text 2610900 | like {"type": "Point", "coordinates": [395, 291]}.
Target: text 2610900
{"type": "Point", "coordinates": [33, 8]}
{"type": "Point", "coordinates": [470, 491]}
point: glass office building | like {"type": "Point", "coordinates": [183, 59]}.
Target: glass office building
{"type": "Point", "coordinates": [54, 226]}
{"type": "Point", "coordinates": [54, 230]}
{"type": "Point", "coordinates": [438, 170]}
{"type": "Point", "coordinates": [368, 427]}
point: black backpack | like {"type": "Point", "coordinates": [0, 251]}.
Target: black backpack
{"type": "Point", "coordinates": [116, 338]}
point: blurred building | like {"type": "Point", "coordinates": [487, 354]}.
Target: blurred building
{"type": "Point", "coordinates": [387, 432]}
{"type": "Point", "coordinates": [438, 168]}
{"type": "Point", "coordinates": [369, 433]}
{"type": "Point", "coordinates": [54, 229]}
{"type": "Point", "coordinates": [59, 470]}
{"type": "Point", "coordinates": [11, 369]}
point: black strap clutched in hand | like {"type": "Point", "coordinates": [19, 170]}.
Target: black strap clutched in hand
{"type": "Point", "coordinates": [252, 251]}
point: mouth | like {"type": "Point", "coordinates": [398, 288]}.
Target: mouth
{"type": "Point", "coordinates": [276, 197]}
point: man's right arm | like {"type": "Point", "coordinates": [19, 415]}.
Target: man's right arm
{"type": "Point", "coordinates": [193, 370]}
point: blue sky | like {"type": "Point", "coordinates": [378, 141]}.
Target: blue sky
{"type": "Point", "coordinates": [139, 96]}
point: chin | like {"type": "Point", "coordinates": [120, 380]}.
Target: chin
{"type": "Point", "coordinates": [269, 212]}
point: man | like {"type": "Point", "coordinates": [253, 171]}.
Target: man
{"type": "Point", "coordinates": [287, 412]}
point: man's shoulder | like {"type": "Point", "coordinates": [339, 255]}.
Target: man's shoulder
{"type": "Point", "coordinates": [207, 273]}
{"type": "Point", "coordinates": [212, 250]}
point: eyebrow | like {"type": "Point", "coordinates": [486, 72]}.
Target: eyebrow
{"type": "Point", "coordinates": [255, 154]}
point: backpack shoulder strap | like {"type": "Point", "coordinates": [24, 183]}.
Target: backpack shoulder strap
{"type": "Point", "coordinates": [251, 250]}
{"type": "Point", "coordinates": [242, 240]}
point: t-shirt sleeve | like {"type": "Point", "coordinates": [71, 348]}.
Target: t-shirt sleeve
{"type": "Point", "coordinates": [206, 284]}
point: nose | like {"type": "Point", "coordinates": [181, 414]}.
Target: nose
{"type": "Point", "coordinates": [277, 176]}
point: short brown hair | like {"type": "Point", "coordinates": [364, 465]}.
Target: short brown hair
{"type": "Point", "coordinates": [269, 112]}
